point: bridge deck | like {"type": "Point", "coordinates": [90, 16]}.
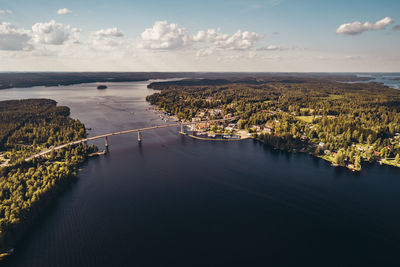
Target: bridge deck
{"type": "Point", "coordinates": [122, 132]}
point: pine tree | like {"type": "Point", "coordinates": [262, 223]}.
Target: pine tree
{"type": "Point", "coordinates": [357, 163]}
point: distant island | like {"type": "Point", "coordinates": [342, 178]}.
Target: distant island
{"type": "Point", "coordinates": [100, 87]}
{"type": "Point", "coordinates": [345, 124]}
{"type": "Point", "coordinates": [28, 187]}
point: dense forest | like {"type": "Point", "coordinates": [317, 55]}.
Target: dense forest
{"type": "Point", "coordinates": [29, 79]}
{"type": "Point", "coordinates": [26, 187]}
{"type": "Point", "coordinates": [343, 123]}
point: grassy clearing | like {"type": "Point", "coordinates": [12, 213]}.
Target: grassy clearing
{"type": "Point", "coordinates": [306, 119]}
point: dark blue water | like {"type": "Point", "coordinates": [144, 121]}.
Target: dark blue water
{"type": "Point", "coordinates": [175, 201]}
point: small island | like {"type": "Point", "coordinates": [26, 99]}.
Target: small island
{"type": "Point", "coordinates": [101, 87]}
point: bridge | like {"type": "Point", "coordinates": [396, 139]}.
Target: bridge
{"type": "Point", "coordinates": [138, 131]}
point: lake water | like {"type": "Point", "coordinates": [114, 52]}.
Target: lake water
{"type": "Point", "coordinates": [176, 201]}
{"type": "Point", "coordinates": [391, 80]}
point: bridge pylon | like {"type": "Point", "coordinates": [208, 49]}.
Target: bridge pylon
{"type": "Point", "coordinates": [106, 142]}
{"type": "Point", "coordinates": [182, 131]}
{"type": "Point", "coordinates": [139, 136]}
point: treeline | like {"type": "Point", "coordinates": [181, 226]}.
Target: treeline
{"type": "Point", "coordinates": [26, 188]}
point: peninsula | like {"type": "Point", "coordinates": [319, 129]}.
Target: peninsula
{"type": "Point", "coordinates": [345, 124]}
{"type": "Point", "coordinates": [26, 188]}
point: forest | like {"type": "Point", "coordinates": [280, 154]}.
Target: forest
{"type": "Point", "coordinates": [346, 124]}
{"type": "Point", "coordinates": [27, 187]}
{"type": "Point", "coordinates": [30, 79]}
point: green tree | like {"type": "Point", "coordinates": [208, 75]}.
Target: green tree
{"type": "Point", "coordinates": [357, 163]}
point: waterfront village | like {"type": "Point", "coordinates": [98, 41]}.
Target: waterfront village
{"type": "Point", "coordinates": [229, 130]}
{"type": "Point", "coordinates": [202, 129]}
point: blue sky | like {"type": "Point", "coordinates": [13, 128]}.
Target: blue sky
{"type": "Point", "coordinates": [289, 35]}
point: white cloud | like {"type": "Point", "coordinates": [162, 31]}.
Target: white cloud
{"type": "Point", "coordinates": [203, 52]}
{"type": "Point", "coordinates": [12, 38]}
{"type": "Point", "coordinates": [111, 32]}
{"type": "Point", "coordinates": [357, 27]}
{"type": "Point", "coordinates": [64, 11]}
{"type": "Point", "coordinates": [241, 40]}
{"type": "Point", "coordinates": [54, 33]}
{"type": "Point", "coordinates": [106, 39]}
{"type": "Point", "coordinates": [211, 35]}
{"type": "Point", "coordinates": [270, 48]}
{"type": "Point", "coordinates": [164, 36]}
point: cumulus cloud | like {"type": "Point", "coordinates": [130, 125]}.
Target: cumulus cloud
{"type": "Point", "coordinates": [211, 35]}
{"type": "Point", "coordinates": [357, 27]}
{"type": "Point", "coordinates": [64, 11]}
{"type": "Point", "coordinates": [111, 32]}
{"type": "Point", "coordinates": [241, 40]}
{"type": "Point", "coordinates": [54, 33]}
{"type": "Point", "coordinates": [5, 11]}
{"type": "Point", "coordinates": [164, 36]}
{"type": "Point", "coordinates": [12, 38]}
{"type": "Point", "coordinates": [106, 39]}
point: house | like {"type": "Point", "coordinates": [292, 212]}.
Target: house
{"type": "Point", "coordinates": [215, 112]}
{"type": "Point", "coordinates": [202, 126]}
{"type": "Point", "coordinates": [321, 144]}
{"type": "Point", "coordinates": [268, 130]}
{"type": "Point", "coordinates": [326, 151]}
{"type": "Point", "coordinates": [269, 127]}
{"type": "Point", "coordinates": [256, 128]}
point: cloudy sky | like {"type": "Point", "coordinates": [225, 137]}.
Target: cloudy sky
{"type": "Point", "coordinates": [218, 35]}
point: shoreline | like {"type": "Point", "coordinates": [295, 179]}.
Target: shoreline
{"type": "Point", "coordinates": [216, 139]}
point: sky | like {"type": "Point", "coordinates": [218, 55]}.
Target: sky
{"type": "Point", "coordinates": [218, 35]}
